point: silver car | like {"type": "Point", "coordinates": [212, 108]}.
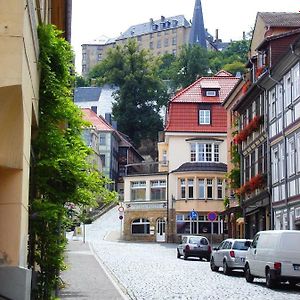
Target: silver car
{"type": "Point", "coordinates": [194, 246]}
{"type": "Point", "coordinates": [229, 255]}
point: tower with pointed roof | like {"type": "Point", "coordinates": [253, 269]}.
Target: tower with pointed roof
{"type": "Point", "coordinates": [198, 34]}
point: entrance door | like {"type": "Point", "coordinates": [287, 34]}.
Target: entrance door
{"type": "Point", "coordinates": [160, 230]}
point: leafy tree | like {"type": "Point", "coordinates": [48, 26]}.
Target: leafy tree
{"type": "Point", "coordinates": [140, 91]}
{"type": "Point", "coordinates": [165, 70]}
{"type": "Point", "coordinates": [60, 171]}
{"type": "Point", "coordinates": [191, 64]}
{"type": "Point", "coordinates": [80, 81]}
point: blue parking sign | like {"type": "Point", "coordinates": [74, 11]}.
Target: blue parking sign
{"type": "Point", "coordinates": [193, 215]}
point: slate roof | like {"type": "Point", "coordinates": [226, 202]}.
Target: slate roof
{"type": "Point", "coordinates": [201, 166]}
{"type": "Point", "coordinates": [86, 94]}
{"type": "Point", "coordinates": [146, 28]}
{"type": "Point", "coordinates": [98, 121]}
{"type": "Point", "coordinates": [198, 32]}
{"type": "Point", "coordinates": [280, 19]}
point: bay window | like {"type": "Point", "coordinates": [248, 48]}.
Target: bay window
{"type": "Point", "coordinates": [209, 188]}
{"type": "Point", "coordinates": [205, 152]}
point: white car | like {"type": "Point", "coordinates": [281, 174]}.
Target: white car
{"type": "Point", "coordinates": [274, 255]}
{"type": "Point", "coordinates": [194, 246]}
{"type": "Point", "coordinates": [229, 255]}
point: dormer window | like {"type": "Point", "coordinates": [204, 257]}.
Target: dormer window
{"type": "Point", "coordinates": [204, 116]}
{"type": "Point", "coordinates": [210, 93]}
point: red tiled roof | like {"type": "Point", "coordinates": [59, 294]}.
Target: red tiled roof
{"type": "Point", "coordinates": [183, 112]}
{"type": "Point", "coordinates": [193, 93]}
{"type": "Point", "coordinates": [98, 121]}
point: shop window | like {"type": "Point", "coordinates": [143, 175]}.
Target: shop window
{"type": "Point", "coordinates": [140, 226]}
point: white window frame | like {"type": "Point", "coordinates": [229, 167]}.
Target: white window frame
{"type": "Point", "coordinates": [200, 152]}
{"type": "Point", "coordinates": [137, 185]}
{"type": "Point", "coordinates": [158, 184]}
{"type": "Point", "coordinates": [275, 160]}
{"type": "Point", "coordinates": [220, 187]}
{"type": "Point", "coordinates": [210, 183]}
{"type": "Point", "coordinates": [204, 117]}
{"type": "Point", "coordinates": [201, 186]}
{"type": "Point", "coordinates": [295, 82]}
{"type": "Point", "coordinates": [210, 93]}
{"type": "Point", "coordinates": [190, 185]}
{"type": "Point", "coordinates": [298, 152]}
{"type": "Point", "coordinates": [287, 81]}
{"type": "Point", "coordinates": [291, 156]}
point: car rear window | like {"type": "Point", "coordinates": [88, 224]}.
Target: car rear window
{"type": "Point", "coordinates": [194, 240]}
{"type": "Point", "coordinates": [239, 245]}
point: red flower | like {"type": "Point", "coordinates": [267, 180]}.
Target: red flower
{"type": "Point", "coordinates": [259, 71]}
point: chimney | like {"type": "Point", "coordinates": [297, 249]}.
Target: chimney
{"type": "Point", "coordinates": [114, 125]}
{"type": "Point", "coordinates": [151, 21]}
{"type": "Point", "coordinates": [244, 35]}
{"type": "Point", "coordinates": [162, 18]}
{"type": "Point", "coordinates": [217, 34]}
{"type": "Point", "coordinates": [108, 118]}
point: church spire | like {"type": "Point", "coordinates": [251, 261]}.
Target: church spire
{"type": "Point", "coordinates": [198, 34]}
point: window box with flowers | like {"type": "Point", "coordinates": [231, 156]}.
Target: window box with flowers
{"type": "Point", "coordinates": [256, 182]}
{"type": "Point", "coordinates": [251, 127]}
{"type": "Point", "coordinates": [246, 86]}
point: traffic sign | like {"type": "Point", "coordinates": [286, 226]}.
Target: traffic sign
{"type": "Point", "coordinates": [120, 208]}
{"type": "Point", "coordinates": [212, 216]}
{"type": "Point", "coordinates": [193, 215]}
{"type": "Point", "coordinates": [121, 217]}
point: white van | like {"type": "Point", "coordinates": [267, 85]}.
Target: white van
{"type": "Point", "coordinates": [274, 255]}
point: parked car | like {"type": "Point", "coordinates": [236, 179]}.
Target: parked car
{"type": "Point", "coordinates": [274, 255]}
{"type": "Point", "coordinates": [229, 255]}
{"type": "Point", "coordinates": [194, 246]}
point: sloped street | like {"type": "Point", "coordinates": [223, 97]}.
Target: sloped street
{"type": "Point", "coordinates": [152, 271]}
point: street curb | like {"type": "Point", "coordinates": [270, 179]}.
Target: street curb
{"type": "Point", "coordinates": [117, 284]}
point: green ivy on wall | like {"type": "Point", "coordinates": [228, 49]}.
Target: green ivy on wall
{"type": "Point", "coordinates": [60, 171]}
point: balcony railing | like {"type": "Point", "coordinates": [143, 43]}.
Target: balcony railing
{"type": "Point", "coordinates": [144, 168]}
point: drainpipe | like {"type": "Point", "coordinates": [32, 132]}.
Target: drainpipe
{"type": "Point", "coordinates": [284, 150]}
{"type": "Point", "coordinates": [269, 178]}
{"type": "Point", "coordinates": [168, 217]}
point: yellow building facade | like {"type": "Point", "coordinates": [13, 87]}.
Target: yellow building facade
{"type": "Point", "coordinates": [19, 93]}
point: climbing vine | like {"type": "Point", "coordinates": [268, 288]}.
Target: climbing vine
{"type": "Point", "coordinates": [60, 171]}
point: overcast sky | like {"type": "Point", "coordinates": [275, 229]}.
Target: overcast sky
{"type": "Point", "coordinates": [93, 18]}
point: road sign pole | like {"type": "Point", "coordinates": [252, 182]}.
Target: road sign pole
{"type": "Point", "coordinates": [212, 231]}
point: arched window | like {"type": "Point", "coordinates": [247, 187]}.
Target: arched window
{"type": "Point", "coordinates": [140, 226]}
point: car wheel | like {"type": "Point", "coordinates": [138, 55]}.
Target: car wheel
{"type": "Point", "coordinates": [213, 267]}
{"type": "Point", "coordinates": [270, 282]}
{"type": "Point", "coordinates": [292, 283]}
{"type": "Point", "coordinates": [226, 269]}
{"type": "Point", "coordinates": [249, 277]}
{"type": "Point", "coordinates": [178, 254]}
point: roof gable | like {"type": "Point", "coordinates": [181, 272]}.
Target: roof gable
{"type": "Point", "coordinates": [194, 93]}
{"type": "Point", "coordinates": [98, 121]}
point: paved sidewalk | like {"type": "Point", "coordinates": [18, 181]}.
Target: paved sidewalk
{"type": "Point", "coordinates": [85, 278]}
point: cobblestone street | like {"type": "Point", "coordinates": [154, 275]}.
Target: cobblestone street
{"type": "Point", "coordinates": [152, 271]}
